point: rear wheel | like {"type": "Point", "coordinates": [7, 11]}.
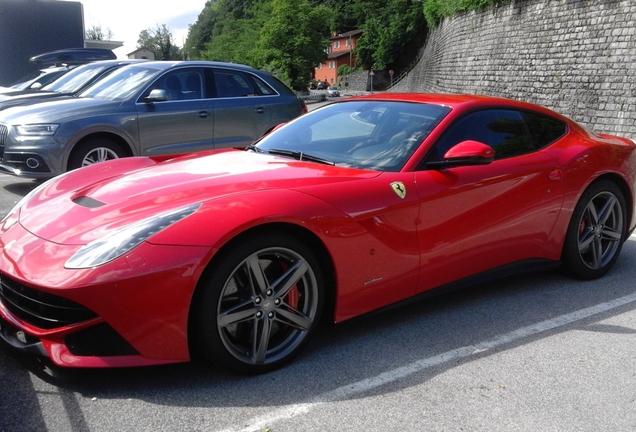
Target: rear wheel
{"type": "Point", "coordinates": [596, 232]}
{"type": "Point", "coordinates": [93, 151]}
{"type": "Point", "coordinates": [259, 304]}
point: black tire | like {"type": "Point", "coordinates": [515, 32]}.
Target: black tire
{"type": "Point", "coordinates": [93, 151]}
{"type": "Point", "coordinates": [596, 232]}
{"type": "Point", "coordinates": [258, 305]}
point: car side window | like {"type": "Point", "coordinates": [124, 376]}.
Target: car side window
{"type": "Point", "coordinates": [504, 130]}
{"type": "Point", "coordinates": [231, 83]}
{"type": "Point", "coordinates": [544, 130]}
{"type": "Point", "coordinates": [263, 88]}
{"type": "Point", "coordinates": [184, 84]}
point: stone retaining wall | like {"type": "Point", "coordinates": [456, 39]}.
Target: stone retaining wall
{"type": "Point", "coordinates": [577, 57]}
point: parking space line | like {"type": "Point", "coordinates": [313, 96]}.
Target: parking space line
{"type": "Point", "coordinates": [349, 390]}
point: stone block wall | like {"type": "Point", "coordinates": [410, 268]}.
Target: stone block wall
{"type": "Point", "coordinates": [577, 57]}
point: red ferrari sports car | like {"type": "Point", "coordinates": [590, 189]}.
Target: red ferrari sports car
{"type": "Point", "coordinates": [236, 255]}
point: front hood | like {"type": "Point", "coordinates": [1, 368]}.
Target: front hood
{"type": "Point", "coordinates": [32, 98]}
{"type": "Point", "coordinates": [17, 93]}
{"type": "Point", "coordinates": [53, 111]}
{"type": "Point", "coordinates": [91, 202]}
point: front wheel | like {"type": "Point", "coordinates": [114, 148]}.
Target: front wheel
{"type": "Point", "coordinates": [596, 232]}
{"type": "Point", "coordinates": [93, 151]}
{"type": "Point", "coordinates": [259, 304]}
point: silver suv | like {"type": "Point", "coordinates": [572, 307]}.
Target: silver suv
{"type": "Point", "coordinates": [152, 108]}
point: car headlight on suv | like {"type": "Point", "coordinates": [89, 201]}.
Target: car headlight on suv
{"type": "Point", "coordinates": [44, 129]}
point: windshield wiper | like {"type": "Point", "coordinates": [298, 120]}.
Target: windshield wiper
{"type": "Point", "coordinates": [253, 148]}
{"type": "Point", "coordinates": [298, 155]}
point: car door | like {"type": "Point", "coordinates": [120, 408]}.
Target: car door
{"type": "Point", "coordinates": [477, 218]}
{"type": "Point", "coordinates": [242, 109]}
{"type": "Point", "coordinates": [184, 122]}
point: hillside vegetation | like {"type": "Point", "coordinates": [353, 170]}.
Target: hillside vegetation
{"type": "Point", "coordinates": [290, 37]}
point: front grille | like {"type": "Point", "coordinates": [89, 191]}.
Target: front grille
{"type": "Point", "coordinates": [3, 137]}
{"type": "Point", "coordinates": [40, 309]}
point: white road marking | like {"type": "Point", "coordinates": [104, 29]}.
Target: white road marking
{"type": "Point", "coordinates": [349, 390]}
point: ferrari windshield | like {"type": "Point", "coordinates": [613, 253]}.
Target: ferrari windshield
{"type": "Point", "coordinates": [122, 84]}
{"type": "Point", "coordinates": [378, 135]}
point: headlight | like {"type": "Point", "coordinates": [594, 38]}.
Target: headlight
{"type": "Point", "coordinates": [125, 239]}
{"type": "Point", "coordinates": [37, 129]}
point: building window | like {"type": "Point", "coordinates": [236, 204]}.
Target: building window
{"type": "Point", "coordinates": [349, 42]}
{"type": "Point", "coordinates": [319, 67]}
{"type": "Point", "coordinates": [336, 44]}
{"type": "Point", "coordinates": [332, 65]}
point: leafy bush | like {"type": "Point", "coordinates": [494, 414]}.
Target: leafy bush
{"type": "Point", "coordinates": [436, 10]}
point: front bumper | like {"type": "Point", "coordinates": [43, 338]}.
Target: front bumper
{"type": "Point", "coordinates": [130, 312]}
{"type": "Point", "coordinates": [26, 165]}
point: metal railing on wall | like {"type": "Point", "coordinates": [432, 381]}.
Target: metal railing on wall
{"type": "Point", "coordinates": [406, 71]}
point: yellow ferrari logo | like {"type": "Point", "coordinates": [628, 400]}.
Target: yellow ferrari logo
{"type": "Point", "coordinates": [399, 189]}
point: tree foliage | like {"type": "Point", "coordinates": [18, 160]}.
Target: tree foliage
{"type": "Point", "coordinates": [388, 31]}
{"type": "Point", "coordinates": [237, 29]}
{"type": "Point", "coordinates": [436, 10]}
{"type": "Point", "coordinates": [159, 40]}
{"type": "Point", "coordinates": [294, 40]}
{"type": "Point", "coordinates": [290, 37]}
{"type": "Point", "coordinates": [95, 32]}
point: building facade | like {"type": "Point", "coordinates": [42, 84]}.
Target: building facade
{"type": "Point", "coordinates": [142, 53]}
{"type": "Point", "coordinates": [340, 52]}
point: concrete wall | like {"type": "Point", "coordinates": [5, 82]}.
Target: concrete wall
{"type": "Point", "coordinates": [577, 57]}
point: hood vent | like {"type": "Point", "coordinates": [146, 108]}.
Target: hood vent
{"type": "Point", "coordinates": [88, 202]}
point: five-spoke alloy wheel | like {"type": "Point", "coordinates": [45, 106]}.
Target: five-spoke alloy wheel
{"type": "Point", "coordinates": [260, 304]}
{"type": "Point", "coordinates": [596, 232]}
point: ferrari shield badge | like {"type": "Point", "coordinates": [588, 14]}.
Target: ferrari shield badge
{"type": "Point", "coordinates": [399, 189]}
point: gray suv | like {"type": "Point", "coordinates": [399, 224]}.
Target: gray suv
{"type": "Point", "coordinates": [151, 108]}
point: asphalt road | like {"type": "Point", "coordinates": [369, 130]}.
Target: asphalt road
{"type": "Point", "coordinates": [538, 353]}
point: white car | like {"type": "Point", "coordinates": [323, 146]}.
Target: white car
{"type": "Point", "coordinates": [333, 91]}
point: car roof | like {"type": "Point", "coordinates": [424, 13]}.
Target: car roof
{"type": "Point", "coordinates": [463, 102]}
{"type": "Point", "coordinates": [168, 64]}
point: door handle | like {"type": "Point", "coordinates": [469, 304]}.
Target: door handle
{"type": "Point", "coordinates": [260, 110]}
{"type": "Point", "coordinates": [202, 114]}
{"type": "Point", "coordinates": [556, 175]}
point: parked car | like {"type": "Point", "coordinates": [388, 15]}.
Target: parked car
{"type": "Point", "coordinates": [333, 91]}
{"type": "Point", "coordinates": [36, 80]}
{"type": "Point", "coordinates": [151, 108]}
{"type": "Point", "coordinates": [61, 62]}
{"type": "Point", "coordinates": [69, 84]}
{"type": "Point", "coordinates": [236, 255]}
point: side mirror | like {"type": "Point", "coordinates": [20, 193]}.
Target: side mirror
{"type": "Point", "coordinates": [466, 153]}
{"type": "Point", "coordinates": [156, 95]}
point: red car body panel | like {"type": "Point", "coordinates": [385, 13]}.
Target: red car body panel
{"type": "Point", "coordinates": [382, 247]}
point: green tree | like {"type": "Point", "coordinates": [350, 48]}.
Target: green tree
{"type": "Point", "coordinates": [159, 40]}
{"type": "Point", "coordinates": [95, 32]}
{"type": "Point", "coordinates": [388, 31]}
{"type": "Point", "coordinates": [436, 10]}
{"type": "Point", "coordinates": [234, 39]}
{"type": "Point", "coordinates": [294, 40]}
{"type": "Point", "coordinates": [200, 33]}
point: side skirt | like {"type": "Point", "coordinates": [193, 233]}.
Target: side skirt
{"type": "Point", "coordinates": [514, 269]}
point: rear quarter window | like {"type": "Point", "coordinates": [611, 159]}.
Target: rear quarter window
{"type": "Point", "coordinates": [544, 130]}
